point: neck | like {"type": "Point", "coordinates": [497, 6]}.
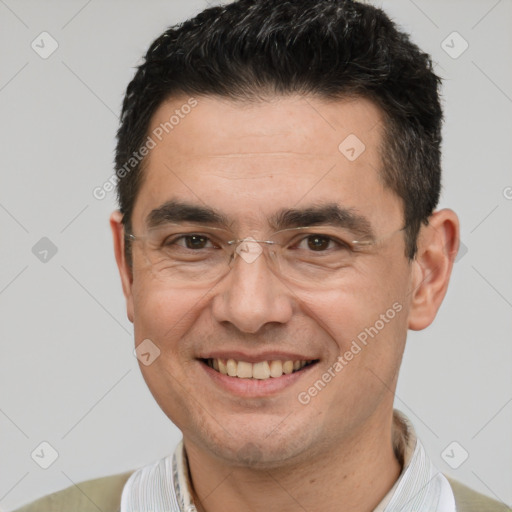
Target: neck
{"type": "Point", "coordinates": [353, 475]}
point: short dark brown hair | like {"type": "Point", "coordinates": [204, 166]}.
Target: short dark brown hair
{"type": "Point", "coordinates": [250, 49]}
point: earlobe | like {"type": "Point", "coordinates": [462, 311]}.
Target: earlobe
{"type": "Point", "coordinates": [438, 243]}
{"type": "Point", "coordinates": [125, 271]}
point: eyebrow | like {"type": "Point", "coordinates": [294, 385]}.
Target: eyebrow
{"type": "Point", "coordinates": [177, 211]}
{"type": "Point", "coordinates": [332, 214]}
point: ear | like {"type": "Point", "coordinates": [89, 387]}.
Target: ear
{"type": "Point", "coordinates": [124, 269]}
{"type": "Point", "coordinates": [438, 243]}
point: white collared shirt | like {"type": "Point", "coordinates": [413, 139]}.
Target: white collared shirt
{"type": "Point", "coordinates": [163, 486]}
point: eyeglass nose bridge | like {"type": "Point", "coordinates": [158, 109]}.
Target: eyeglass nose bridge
{"type": "Point", "coordinates": [249, 249]}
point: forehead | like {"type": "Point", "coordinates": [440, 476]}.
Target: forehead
{"type": "Point", "coordinates": [247, 158]}
{"type": "Point", "coordinates": [304, 124]}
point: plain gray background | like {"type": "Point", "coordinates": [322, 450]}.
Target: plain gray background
{"type": "Point", "coordinates": [68, 375]}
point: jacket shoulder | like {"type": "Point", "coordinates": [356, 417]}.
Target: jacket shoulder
{"type": "Point", "coordinates": [89, 496]}
{"type": "Point", "coordinates": [468, 500]}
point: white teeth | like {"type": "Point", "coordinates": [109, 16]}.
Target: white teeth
{"type": "Point", "coordinates": [222, 367]}
{"type": "Point", "coordinates": [232, 367]}
{"type": "Point", "coordinates": [276, 368]}
{"type": "Point", "coordinates": [288, 367]}
{"type": "Point", "coordinates": [261, 371]}
{"type": "Point", "coordinates": [244, 370]}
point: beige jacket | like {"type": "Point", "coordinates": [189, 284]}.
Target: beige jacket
{"type": "Point", "coordinates": [105, 494]}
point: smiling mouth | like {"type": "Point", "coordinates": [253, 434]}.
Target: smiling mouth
{"type": "Point", "coordinates": [262, 370]}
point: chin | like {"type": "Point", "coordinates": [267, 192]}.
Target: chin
{"type": "Point", "coordinates": [257, 443]}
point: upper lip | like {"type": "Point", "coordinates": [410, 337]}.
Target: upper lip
{"type": "Point", "coordinates": [238, 355]}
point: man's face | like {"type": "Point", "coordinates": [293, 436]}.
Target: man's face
{"type": "Point", "coordinates": [249, 162]}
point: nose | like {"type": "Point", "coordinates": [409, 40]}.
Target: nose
{"type": "Point", "coordinates": [251, 295]}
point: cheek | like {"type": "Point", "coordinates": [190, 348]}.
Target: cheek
{"type": "Point", "coordinates": [164, 316]}
{"type": "Point", "coordinates": [161, 313]}
{"type": "Point", "coordinates": [368, 310]}
{"type": "Point", "coordinates": [366, 325]}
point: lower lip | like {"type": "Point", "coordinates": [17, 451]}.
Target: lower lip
{"type": "Point", "coordinates": [255, 387]}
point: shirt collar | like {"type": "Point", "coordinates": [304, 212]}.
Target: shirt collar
{"type": "Point", "coordinates": [421, 487]}
{"type": "Point", "coordinates": [165, 485]}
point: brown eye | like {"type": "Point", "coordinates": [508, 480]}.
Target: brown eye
{"type": "Point", "coordinates": [318, 242]}
{"type": "Point", "coordinates": [195, 241]}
